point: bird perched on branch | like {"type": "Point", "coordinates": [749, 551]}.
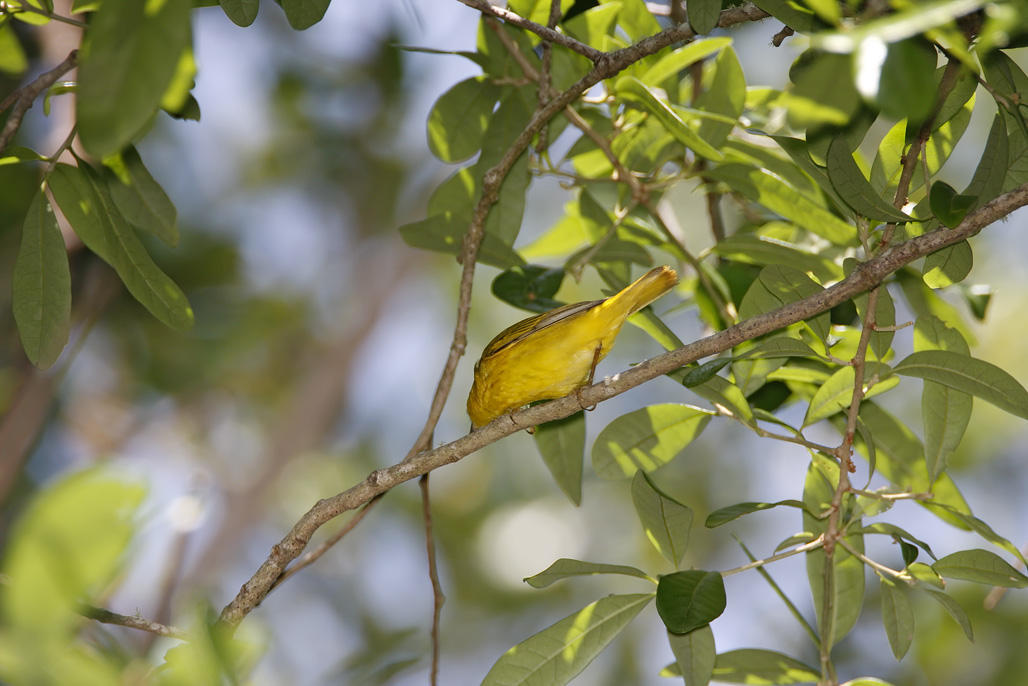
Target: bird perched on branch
{"type": "Point", "coordinates": [552, 354]}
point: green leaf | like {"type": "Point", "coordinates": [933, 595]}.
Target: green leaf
{"type": "Point", "coordinates": [703, 14]}
{"type": "Point", "coordinates": [303, 14]}
{"type": "Point", "coordinates": [530, 287]}
{"type": "Point", "coordinates": [562, 446]}
{"type": "Point", "coordinates": [947, 205]}
{"type": "Point", "coordinates": [897, 533]}
{"type": "Point", "coordinates": [970, 375]}
{"type": "Point", "coordinates": [836, 394]}
{"type": "Point", "coordinates": [945, 414]}
{"type": "Point", "coordinates": [556, 654]}
{"type": "Point", "coordinates": [130, 54]}
{"type": "Point", "coordinates": [925, 576]}
{"type": "Point", "coordinates": [694, 655]}
{"type": "Point", "coordinates": [779, 285]}
{"type": "Point", "coordinates": [444, 233]}
{"type": "Point", "coordinates": [954, 610]}
{"type": "Point", "coordinates": [991, 171]}
{"type": "Point", "coordinates": [726, 397]}
{"type": "Point", "coordinates": [700, 374]}
{"type": "Point", "coordinates": [638, 92]}
{"type": "Point", "coordinates": [83, 199]}
{"type": "Point", "coordinates": [756, 666]}
{"type": "Point", "coordinates": [948, 266]}
{"type": "Point", "coordinates": [724, 94]}
{"type": "Point", "coordinates": [12, 56]}
{"type": "Point", "coordinates": [855, 190]}
{"type": "Point", "coordinates": [763, 251]}
{"type": "Point", "coordinates": [665, 520]}
{"type": "Point", "coordinates": [779, 346]}
{"type": "Point", "coordinates": [981, 566]}
{"type": "Point", "coordinates": [822, 91]}
{"type": "Point", "coordinates": [733, 512]}
{"type": "Point", "coordinates": [67, 546]}
{"type": "Point", "coordinates": [565, 567]}
{"type": "Point", "coordinates": [897, 616]}
{"type": "Point", "coordinates": [774, 193]}
{"type": "Point", "coordinates": [966, 520]}
{"type": "Point", "coordinates": [139, 198]}
{"type": "Point", "coordinates": [843, 571]}
{"type": "Point", "coordinates": [41, 286]}
{"type": "Point", "coordinates": [674, 62]}
{"type": "Point", "coordinates": [897, 26]}
{"type": "Point", "coordinates": [903, 85]}
{"type": "Point", "coordinates": [460, 117]}
{"type": "Point", "coordinates": [689, 600]}
{"type": "Point", "coordinates": [637, 20]}
{"type": "Point", "coordinates": [646, 439]}
{"type": "Point", "coordinates": [241, 12]}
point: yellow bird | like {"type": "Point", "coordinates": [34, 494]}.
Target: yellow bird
{"type": "Point", "coordinates": [551, 354]}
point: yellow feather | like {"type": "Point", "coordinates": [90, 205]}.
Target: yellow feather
{"type": "Point", "coordinates": [551, 354]}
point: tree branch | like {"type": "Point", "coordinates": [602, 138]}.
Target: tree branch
{"type": "Point", "coordinates": [864, 277]}
{"type": "Point", "coordinates": [132, 622]}
{"type": "Point", "coordinates": [21, 99]}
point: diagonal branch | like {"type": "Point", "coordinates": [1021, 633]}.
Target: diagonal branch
{"type": "Point", "coordinates": [866, 276]}
{"type": "Point", "coordinates": [21, 100]}
{"type": "Point", "coordinates": [131, 621]}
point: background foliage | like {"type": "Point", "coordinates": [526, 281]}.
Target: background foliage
{"type": "Point", "coordinates": [214, 323]}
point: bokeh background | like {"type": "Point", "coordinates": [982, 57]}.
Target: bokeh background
{"type": "Point", "coordinates": [318, 342]}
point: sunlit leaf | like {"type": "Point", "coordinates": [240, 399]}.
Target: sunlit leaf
{"type": "Point", "coordinates": [665, 520]}
{"type": "Point", "coordinates": [565, 568]}
{"type": "Point", "coordinates": [689, 600]}
{"type": "Point", "coordinates": [646, 439]}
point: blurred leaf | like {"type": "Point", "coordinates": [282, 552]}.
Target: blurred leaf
{"type": "Point", "coordinates": [726, 397]}
{"type": "Point", "coordinates": [991, 171]}
{"type": "Point", "coordinates": [646, 439]}
{"type": "Point", "coordinates": [459, 119]}
{"type": "Point", "coordinates": [754, 666]}
{"type": "Point", "coordinates": [897, 617]}
{"type": "Point", "coordinates": [211, 655]}
{"type": "Point", "coordinates": [41, 286]}
{"type": "Point", "coordinates": [68, 545]}
{"type": "Point", "coordinates": [665, 520]}
{"type": "Point", "coordinates": [565, 568]}
{"type": "Point", "coordinates": [139, 198]}
{"type": "Point", "coordinates": [905, 84]}
{"type": "Point", "coordinates": [303, 14]}
{"type": "Point", "coordinates": [779, 346]}
{"type": "Point", "coordinates": [694, 655]}
{"type": "Point", "coordinates": [241, 12]}
{"type": "Point", "coordinates": [562, 446]}
{"type": "Point", "coordinates": [777, 195]}
{"type": "Point", "coordinates": [637, 20]}
{"type": "Point", "coordinates": [970, 375]}
{"type": "Point", "coordinates": [792, 14]}
{"type": "Point", "coordinates": [732, 512]}
{"type": "Point", "coordinates": [556, 654]}
{"type": "Point", "coordinates": [968, 521]}
{"type": "Point", "coordinates": [690, 599]}
{"type": "Point", "coordinates": [763, 251]}
{"type": "Point", "coordinates": [12, 56]}
{"type": "Point", "coordinates": [980, 566]}
{"type": "Point", "coordinates": [822, 91]}
{"type": "Point", "coordinates": [850, 184]}
{"type": "Point", "coordinates": [897, 26]}
{"type": "Point", "coordinates": [130, 53]}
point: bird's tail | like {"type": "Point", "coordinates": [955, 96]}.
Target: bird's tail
{"type": "Point", "coordinates": [643, 290]}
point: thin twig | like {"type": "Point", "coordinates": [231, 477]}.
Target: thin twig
{"type": "Point", "coordinates": [804, 548]}
{"type": "Point", "coordinates": [781, 594]}
{"type": "Point", "coordinates": [26, 7]}
{"type": "Point", "coordinates": [21, 99]}
{"type": "Point", "coordinates": [865, 276]}
{"type": "Point", "coordinates": [433, 574]}
{"type": "Point", "coordinates": [544, 32]}
{"type": "Point", "coordinates": [132, 622]}
{"type": "Point", "coordinates": [877, 566]}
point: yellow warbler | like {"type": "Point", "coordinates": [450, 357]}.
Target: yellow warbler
{"type": "Point", "coordinates": [551, 354]}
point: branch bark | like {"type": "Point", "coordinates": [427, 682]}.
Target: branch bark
{"type": "Point", "coordinates": [866, 276]}
{"type": "Point", "coordinates": [21, 100]}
